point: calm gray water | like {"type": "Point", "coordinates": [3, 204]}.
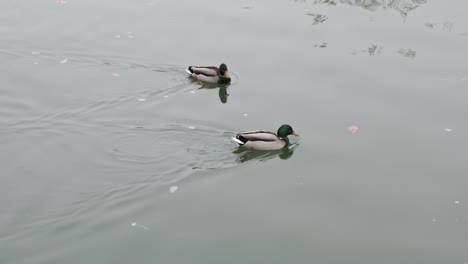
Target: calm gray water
{"type": "Point", "coordinates": [99, 122]}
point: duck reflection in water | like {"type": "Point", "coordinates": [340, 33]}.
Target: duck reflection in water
{"type": "Point", "coordinates": [222, 90]}
{"type": "Point", "coordinates": [246, 154]}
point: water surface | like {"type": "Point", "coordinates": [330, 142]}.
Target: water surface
{"type": "Point", "coordinates": [99, 120]}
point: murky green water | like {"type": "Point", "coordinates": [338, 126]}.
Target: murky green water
{"type": "Point", "coordinates": [99, 122]}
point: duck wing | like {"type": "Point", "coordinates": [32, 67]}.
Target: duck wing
{"type": "Point", "coordinates": [260, 135]}
{"type": "Point", "coordinates": [208, 71]}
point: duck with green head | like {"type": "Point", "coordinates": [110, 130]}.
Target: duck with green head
{"type": "Point", "coordinates": [210, 74]}
{"type": "Point", "coordinates": [265, 140]}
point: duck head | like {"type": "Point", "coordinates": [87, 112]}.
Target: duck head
{"type": "Point", "coordinates": [223, 70]}
{"type": "Point", "coordinates": [286, 130]}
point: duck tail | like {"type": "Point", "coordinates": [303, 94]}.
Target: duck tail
{"type": "Point", "coordinates": [240, 140]}
{"type": "Point", "coordinates": [190, 69]}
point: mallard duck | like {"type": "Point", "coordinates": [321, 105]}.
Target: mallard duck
{"type": "Point", "coordinates": [265, 140]}
{"type": "Point", "coordinates": [210, 74]}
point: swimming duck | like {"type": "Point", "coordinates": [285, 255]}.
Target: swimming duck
{"type": "Point", "coordinates": [265, 140]}
{"type": "Point", "coordinates": [210, 74]}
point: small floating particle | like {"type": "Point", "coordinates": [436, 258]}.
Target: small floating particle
{"type": "Point", "coordinates": [36, 62]}
{"type": "Point", "coordinates": [134, 224]}
{"type": "Point", "coordinates": [433, 220]}
{"type": "Point", "coordinates": [246, 114]}
{"type": "Point", "coordinates": [191, 127]}
{"type": "Point", "coordinates": [141, 99]}
{"type": "Point", "coordinates": [35, 52]}
{"type": "Point", "coordinates": [166, 96]}
{"type": "Point", "coordinates": [64, 61]}
{"type": "Point", "coordinates": [192, 92]}
{"type": "Point", "coordinates": [353, 129]}
{"type": "Point", "coordinates": [456, 202]}
{"type": "Point", "coordinates": [448, 130]}
{"type": "Point", "coordinates": [173, 189]}
{"type": "Point", "coordinates": [115, 74]}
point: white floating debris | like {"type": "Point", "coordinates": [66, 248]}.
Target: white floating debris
{"type": "Point", "coordinates": [191, 127]}
{"type": "Point", "coordinates": [115, 74]}
{"type": "Point", "coordinates": [35, 52]}
{"type": "Point", "coordinates": [456, 202]}
{"type": "Point", "coordinates": [353, 129]}
{"type": "Point", "coordinates": [246, 114]}
{"type": "Point", "coordinates": [141, 99]}
{"type": "Point", "coordinates": [166, 96]}
{"type": "Point", "coordinates": [433, 220]}
{"type": "Point", "coordinates": [192, 92]}
{"type": "Point", "coordinates": [64, 61]}
{"type": "Point", "coordinates": [173, 189]}
{"type": "Point", "coordinates": [448, 129]}
{"type": "Point", "coordinates": [134, 224]}
{"type": "Point", "coordinates": [36, 62]}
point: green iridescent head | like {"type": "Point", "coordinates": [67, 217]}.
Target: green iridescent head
{"type": "Point", "coordinates": [286, 130]}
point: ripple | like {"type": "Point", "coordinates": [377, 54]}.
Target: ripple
{"type": "Point", "coordinates": [201, 147]}
{"type": "Point", "coordinates": [104, 134]}
{"type": "Point", "coordinates": [168, 154]}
